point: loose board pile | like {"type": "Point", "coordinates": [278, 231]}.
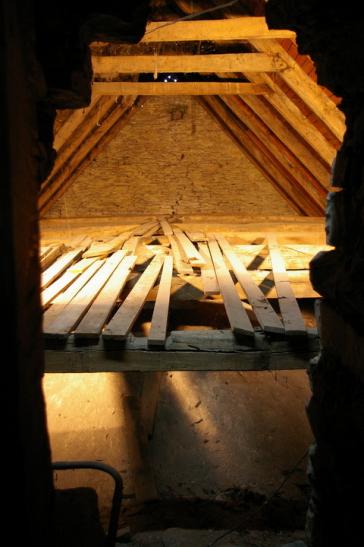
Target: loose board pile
{"type": "Point", "coordinates": [100, 288]}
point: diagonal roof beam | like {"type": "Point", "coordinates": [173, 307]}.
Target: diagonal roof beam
{"type": "Point", "coordinates": [237, 28]}
{"type": "Point", "coordinates": [308, 90]}
{"type": "Point", "coordinates": [262, 157]}
{"type": "Point", "coordinates": [296, 119]}
{"type": "Point", "coordinates": [85, 150]}
{"type": "Point", "coordinates": [291, 164]}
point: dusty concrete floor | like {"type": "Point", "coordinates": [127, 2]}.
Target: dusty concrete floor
{"type": "Point", "coordinates": [217, 436]}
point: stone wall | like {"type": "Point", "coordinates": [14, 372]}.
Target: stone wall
{"type": "Point", "coordinates": [171, 158]}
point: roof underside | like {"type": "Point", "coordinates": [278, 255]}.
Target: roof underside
{"type": "Point", "coordinates": [272, 107]}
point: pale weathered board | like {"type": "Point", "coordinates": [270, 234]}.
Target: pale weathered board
{"type": "Point", "coordinates": [101, 250]}
{"type": "Point", "coordinates": [196, 236]}
{"type": "Point", "coordinates": [208, 275]}
{"type": "Point", "coordinates": [166, 227]}
{"type": "Point", "coordinates": [190, 250]}
{"type": "Point", "coordinates": [51, 254]}
{"type": "Point", "coordinates": [158, 331]}
{"type": "Point", "coordinates": [61, 301]}
{"type": "Point", "coordinates": [66, 279]}
{"type": "Point", "coordinates": [267, 317]}
{"type": "Point", "coordinates": [238, 317]}
{"type": "Point", "coordinates": [92, 323]}
{"type": "Point", "coordinates": [59, 266]}
{"type": "Point", "coordinates": [73, 312]}
{"type": "Point", "coordinates": [181, 266]}
{"type": "Point", "coordinates": [291, 313]}
{"type": "Point", "coordinates": [131, 244]}
{"type": "Point", "coordinates": [126, 315]}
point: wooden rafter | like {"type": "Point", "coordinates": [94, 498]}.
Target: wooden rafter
{"type": "Point", "coordinates": [178, 88]}
{"type": "Point", "coordinates": [308, 90]}
{"type": "Point", "coordinates": [296, 118]}
{"type": "Point", "coordinates": [262, 157]}
{"type": "Point", "coordinates": [238, 28]}
{"type": "Point", "coordinates": [289, 161]}
{"type": "Point", "coordinates": [70, 125]}
{"type": "Point", "coordinates": [96, 137]}
{"type": "Point", "coordinates": [289, 137]}
{"type": "Point", "coordinates": [228, 62]}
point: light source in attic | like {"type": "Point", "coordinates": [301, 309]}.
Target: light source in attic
{"type": "Point", "coordinates": [170, 78]}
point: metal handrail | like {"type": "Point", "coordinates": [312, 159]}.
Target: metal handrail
{"type": "Point", "coordinates": [117, 496]}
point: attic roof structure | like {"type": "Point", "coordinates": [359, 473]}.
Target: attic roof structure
{"type": "Point", "coordinates": [264, 96]}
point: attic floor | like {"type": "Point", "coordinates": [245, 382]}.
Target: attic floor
{"type": "Point", "coordinates": [198, 335]}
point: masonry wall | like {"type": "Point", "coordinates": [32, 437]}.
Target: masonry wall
{"type": "Point", "coordinates": [171, 158]}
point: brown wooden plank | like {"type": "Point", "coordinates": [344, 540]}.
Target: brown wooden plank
{"type": "Point", "coordinates": [237, 28]}
{"type": "Point", "coordinates": [190, 250]}
{"type": "Point", "coordinates": [238, 318]}
{"type": "Point", "coordinates": [144, 228]}
{"type": "Point", "coordinates": [308, 90]}
{"type": "Point", "coordinates": [267, 317]}
{"type": "Point", "coordinates": [65, 280]}
{"type": "Point", "coordinates": [92, 323]}
{"type": "Point", "coordinates": [291, 313]}
{"type": "Point", "coordinates": [73, 312]}
{"type": "Point", "coordinates": [179, 88]}
{"type": "Point", "coordinates": [126, 315]}
{"type": "Point", "coordinates": [227, 62]}
{"type": "Point", "coordinates": [158, 330]}
{"type": "Point", "coordinates": [208, 274]}
{"type": "Point", "coordinates": [58, 267]}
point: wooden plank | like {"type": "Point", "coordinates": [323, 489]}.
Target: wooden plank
{"type": "Point", "coordinates": [58, 267]}
{"type": "Point", "coordinates": [179, 88]}
{"type": "Point", "coordinates": [144, 228]}
{"type": "Point", "coordinates": [190, 250]}
{"type": "Point", "coordinates": [103, 249]}
{"type": "Point", "coordinates": [53, 252]}
{"type": "Point", "coordinates": [308, 90]}
{"type": "Point", "coordinates": [158, 331]}
{"type": "Point", "coordinates": [282, 355]}
{"type": "Point", "coordinates": [196, 236]}
{"type": "Point", "coordinates": [236, 28]}
{"type": "Point", "coordinates": [139, 463]}
{"type": "Point", "coordinates": [291, 313]}
{"type": "Point", "coordinates": [261, 155]}
{"type": "Point", "coordinates": [181, 266]}
{"type": "Point", "coordinates": [131, 245]}
{"type": "Point", "coordinates": [61, 301]}
{"type": "Point", "coordinates": [73, 312]}
{"type": "Point", "coordinates": [126, 315]}
{"type": "Point", "coordinates": [296, 257]}
{"type": "Point", "coordinates": [92, 323]}
{"type": "Point", "coordinates": [65, 280]}
{"type": "Point", "coordinates": [296, 119]}
{"type": "Point", "coordinates": [75, 119]}
{"type": "Point", "coordinates": [289, 161]}
{"type": "Point", "coordinates": [208, 276]}
{"type": "Point", "coordinates": [290, 138]}
{"type": "Point", "coordinates": [166, 227]}
{"type": "Point", "coordinates": [152, 231]}
{"type": "Point", "coordinates": [267, 317]}
{"type": "Point", "coordinates": [228, 62]}
{"type": "Point", "coordinates": [238, 318]}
